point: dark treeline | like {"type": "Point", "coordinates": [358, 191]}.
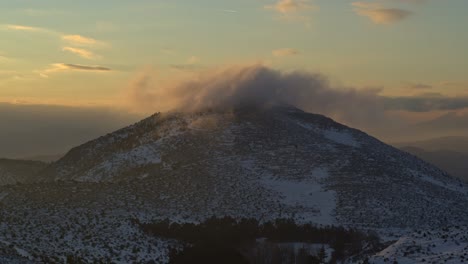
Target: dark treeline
{"type": "Point", "coordinates": [225, 239]}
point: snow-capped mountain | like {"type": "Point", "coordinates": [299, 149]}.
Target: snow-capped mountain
{"type": "Point", "coordinates": [271, 161]}
{"type": "Point", "coordinates": [263, 163]}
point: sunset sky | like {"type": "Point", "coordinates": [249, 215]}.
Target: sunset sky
{"type": "Point", "coordinates": [86, 53]}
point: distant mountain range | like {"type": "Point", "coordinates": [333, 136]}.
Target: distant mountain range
{"type": "Point", "coordinates": [448, 153]}
{"type": "Point", "coordinates": [457, 144]}
{"type": "Point", "coordinates": [455, 163]}
{"type": "Point", "coordinates": [19, 171]}
{"type": "Point", "coordinates": [44, 158]}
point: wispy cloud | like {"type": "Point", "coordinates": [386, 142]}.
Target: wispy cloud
{"type": "Point", "coordinates": [426, 103]}
{"type": "Point", "coordinates": [86, 67]}
{"type": "Point", "coordinates": [67, 67]}
{"type": "Point", "coordinates": [226, 10]}
{"type": "Point", "coordinates": [72, 39]}
{"type": "Point", "coordinates": [285, 52]}
{"type": "Point", "coordinates": [80, 40]}
{"type": "Point", "coordinates": [193, 60]}
{"type": "Point", "coordinates": [73, 43]}
{"type": "Point", "coordinates": [27, 29]}
{"type": "Point", "coordinates": [379, 14]}
{"type": "Point", "coordinates": [291, 6]}
{"type": "Point", "coordinates": [81, 52]}
{"type": "Point", "coordinates": [419, 86]}
{"type": "Point", "coordinates": [293, 10]}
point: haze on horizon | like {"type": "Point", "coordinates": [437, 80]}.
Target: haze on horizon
{"type": "Point", "coordinates": [74, 70]}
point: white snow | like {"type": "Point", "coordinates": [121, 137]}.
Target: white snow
{"type": "Point", "coordinates": [141, 155]}
{"type": "Point", "coordinates": [23, 253]}
{"type": "Point", "coordinates": [341, 137]}
{"type": "Point", "coordinates": [337, 136]}
{"type": "Point", "coordinates": [434, 246]}
{"type": "Point", "coordinates": [319, 204]}
{"type": "Point", "coordinates": [451, 185]}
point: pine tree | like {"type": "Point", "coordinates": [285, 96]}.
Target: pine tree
{"type": "Point", "coordinates": [322, 255]}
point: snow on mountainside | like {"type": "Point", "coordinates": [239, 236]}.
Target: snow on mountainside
{"type": "Point", "coordinates": [264, 154]}
{"type": "Point", "coordinates": [266, 163]}
{"type": "Point", "coordinates": [19, 171]}
{"type": "Point", "coordinates": [446, 245]}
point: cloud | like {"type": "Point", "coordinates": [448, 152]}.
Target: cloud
{"type": "Point", "coordinates": [453, 121]}
{"type": "Point", "coordinates": [81, 52]}
{"type": "Point", "coordinates": [378, 14]}
{"type": "Point", "coordinates": [233, 86]}
{"type": "Point", "coordinates": [284, 52]}
{"type": "Point", "coordinates": [420, 86]}
{"type": "Point", "coordinates": [193, 60]}
{"type": "Point", "coordinates": [293, 10]}
{"type": "Point", "coordinates": [426, 103]}
{"type": "Point", "coordinates": [4, 57]}
{"type": "Point", "coordinates": [74, 40]}
{"type": "Point", "coordinates": [226, 88]}
{"type": "Point", "coordinates": [30, 29]}
{"type": "Point", "coordinates": [192, 64]}
{"type": "Point", "coordinates": [66, 67]}
{"type": "Point", "coordinates": [291, 6]}
{"type": "Point", "coordinates": [86, 67]}
{"type": "Point", "coordinates": [23, 28]}
{"type": "Point", "coordinates": [80, 40]}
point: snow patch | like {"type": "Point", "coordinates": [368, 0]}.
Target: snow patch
{"type": "Point", "coordinates": [341, 137]}
{"type": "Point", "coordinates": [338, 136]}
{"type": "Point", "coordinates": [432, 180]}
{"type": "Point", "coordinates": [319, 204]}
{"type": "Point", "coordinates": [141, 155]}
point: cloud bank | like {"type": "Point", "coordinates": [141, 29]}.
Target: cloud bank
{"type": "Point", "coordinates": [236, 86]}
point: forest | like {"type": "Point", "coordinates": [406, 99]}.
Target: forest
{"type": "Point", "coordinates": [229, 240]}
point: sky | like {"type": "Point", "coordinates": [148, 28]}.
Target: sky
{"type": "Point", "coordinates": [88, 55]}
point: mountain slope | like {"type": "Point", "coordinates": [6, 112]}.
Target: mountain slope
{"type": "Point", "coordinates": [455, 163]}
{"type": "Point", "coordinates": [19, 171]}
{"type": "Point", "coordinates": [267, 163]}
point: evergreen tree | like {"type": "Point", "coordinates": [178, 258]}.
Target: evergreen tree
{"type": "Point", "coordinates": [322, 255]}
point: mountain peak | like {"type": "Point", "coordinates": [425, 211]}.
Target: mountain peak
{"type": "Point", "coordinates": [268, 162]}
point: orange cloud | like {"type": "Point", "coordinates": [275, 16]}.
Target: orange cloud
{"type": "Point", "coordinates": [291, 6]}
{"type": "Point", "coordinates": [81, 52]}
{"type": "Point", "coordinates": [80, 40]}
{"type": "Point", "coordinates": [378, 14]}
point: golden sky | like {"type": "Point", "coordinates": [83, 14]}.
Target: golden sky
{"type": "Point", "coordinates": [411, 53]}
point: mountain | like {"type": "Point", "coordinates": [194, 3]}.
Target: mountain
{"type": "Point", "coordinates": [44, 158]}
{"type": "Point", "coordinates": [455, 163]}
{"type": "Point", "coordinates": [457, 144]}
{"type": "Point", "coordinates": [19, 171]}
{"type": "Point", "coordinates": [303, 164]}
{"type": "Point", "coordinates": [251, 162]}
